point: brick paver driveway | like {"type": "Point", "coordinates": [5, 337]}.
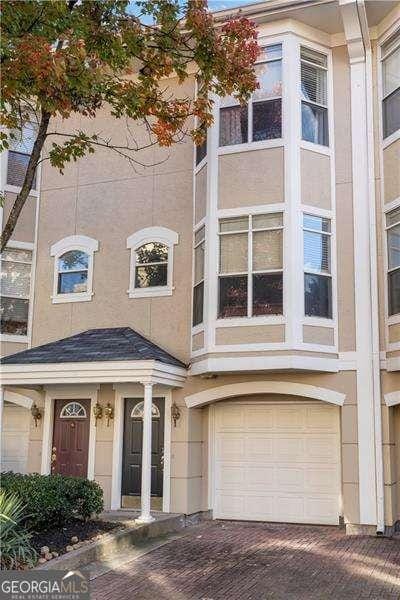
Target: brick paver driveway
{"type": "Point", "coordinates": [236, 560]}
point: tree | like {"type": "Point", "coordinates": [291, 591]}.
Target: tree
{"type": "Point", "coordinates": [66, 57]}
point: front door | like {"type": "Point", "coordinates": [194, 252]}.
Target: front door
{"type": "Point", "coordinates": [70, 437]}
{"type": "Point", "coordinates": [132, 449]}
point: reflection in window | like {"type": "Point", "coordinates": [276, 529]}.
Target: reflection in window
{"type": "Point", "coordinates": [317, 266]}
{"type": "Point", "coordinates": [393, 253]}
{"type": "Point", "coordinates": [73, 410]}
{"type": "Point", "coordinates": [16, 267]}
{"type": "Point", "coordinates": [314, 93]}
{"type": "Point", "coordinates": [198, 290]}
{"type": "Point", "coordinates": [151, 268]}
{"type": "Point", "coordinates": [73, 272]}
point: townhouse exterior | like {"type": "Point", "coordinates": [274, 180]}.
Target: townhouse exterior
{"type": "Point", "coordinates": [219, 332]}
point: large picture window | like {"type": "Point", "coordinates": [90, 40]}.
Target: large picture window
{"type": "Point", "coordinates": [250, 266]}
{"type": "Point", "coordinates": [314, 97]}
{"type": "Point", "coordinates": [317, 267]}
{"type": "Point", "coordinates": [391, 86]}
{"type": "Point", "coordinates": [16, 265]}
{"type": "Point", "coordinates": [198, 289]}
{"type": "Point", "coordinates": [393, 259]}
{"type": "Point", "coordinates": [261, 119]}
{"type": "Point", "coordinates": [21, 146]}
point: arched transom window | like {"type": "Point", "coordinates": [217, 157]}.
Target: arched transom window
{"type": "Point", "coordinates": [151, 262]}
{"type": "Point", "coordinates": [73, 410]}
{"type": "Point", "coordinates": [138, 409]}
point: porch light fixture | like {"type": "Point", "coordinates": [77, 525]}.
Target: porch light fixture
{"type": "Point", "coordinates": [175, 413]}
{"type": "Point", "coordinates": [97, 412]}
{"type": "Point", "coordinates": [109, 413]}
{"type": "Point", "coordinates": [36, 414]}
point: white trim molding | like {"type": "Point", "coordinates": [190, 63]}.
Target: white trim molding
{"type": "Point", "coordinates": [160, 235]}
{"type": "Point", "coordinates": [392, 398]}
{"type": "Point", "coordinates": [232, 364]}
{"type": "Point", "coordinates": [248, 388]}
{"type": "Point", "coordinates": [74, 242]}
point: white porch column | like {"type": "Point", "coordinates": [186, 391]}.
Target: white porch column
{"type": "Point", "coordinates": [1, 411]}
{"type": "Point", "coordinates": [145, 515]}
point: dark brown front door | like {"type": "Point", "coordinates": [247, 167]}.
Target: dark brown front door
{"type": "Point", "coordinates": [132, 449]}
{"type": "Point", "coordinates": [71, 437]}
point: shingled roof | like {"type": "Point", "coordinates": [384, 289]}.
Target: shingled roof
{"type": "Point", "coordinates": [95, 345]}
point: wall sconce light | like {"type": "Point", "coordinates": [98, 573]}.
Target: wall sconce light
{"type": "Point", "coordinates": [36, 414]}
{"type": "Point", "coordinates": [175, 413]}
{"type": "Point", "coordinates": [97, 412]}
{"type": "Point", "coordinates": [109, 413]}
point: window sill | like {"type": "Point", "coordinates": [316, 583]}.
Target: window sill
{"type": "Point", "coordinates": [199, 328]}
{"type": "Point", "coordinates": [8, 337]}
{"type": "Point", "coordinates": [150, 292]}
{"type": "Point", "coordinates": [319, 321]}
{"type": "Point", "coordinates": [393, 319]}
{"type": "Point", "coordinates": [200, 165]}
{"type": "Point", "coordinates": [236, 148]}
{"type": "Point", "coordinates": [244, 321]}
{"type": "Point", "coordinates": [15, 189]}
{"type": "Point", "coordinates": [315, 147]}
{"type": "Point", "coordinates": [393, 137]}
{"type": "Point", "coordinates": [65, 298]}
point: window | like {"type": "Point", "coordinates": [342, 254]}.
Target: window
{"type": "Point", "coordinates": [19, 153]}
{"type": "Point", "coordinates": [16, 265]}
{"type": "Point", "coordinates": [73, 410]}
{"type": "Point", "coordinates": [250, 266]}
{"type": "Point", "coordinates": [201, 150]}
{"type": "Point", "coordinates": [391, 86]}
{"type": "Point", "coordinates": [151, 262]}
{"type": "Point", "coordinates": [317, 267]}
{"type": "Point", "coordinates": [138, 411]}
{"type": "Point", "coordinates": [393, 250]}
{"type": "Point", "coordinates": [314, 97]}
{"type": "Point", "coordinates": [198, 290]}
{"type": "Point", "coordinates": [262, 118]}
{"type": "Point", "coordinates": [73, 268]}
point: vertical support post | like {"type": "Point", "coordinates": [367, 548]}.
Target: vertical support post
{"type": "Point", "coordinates": [145, 515]}
{"type": "Point", "coordinates": [1, 411]}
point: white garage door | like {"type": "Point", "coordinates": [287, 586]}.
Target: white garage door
{"type": "Point", "coordinates": [15, 438]}
{"type": "Point", "coordinates": [277, 462]}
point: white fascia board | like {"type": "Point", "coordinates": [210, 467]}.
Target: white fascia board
{"type": "Point", "coordinates": [265, 363]}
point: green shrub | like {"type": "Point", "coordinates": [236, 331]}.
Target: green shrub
{"type": "Point", "coordinates": [53, 500]}
{"type": "Point", "coordinates": [16, 549]}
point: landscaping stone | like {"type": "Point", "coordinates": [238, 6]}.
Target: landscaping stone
{"type": "Point", "coordinates": [69, 548]}
{"type": "Point", "coordinates": [48, 556]}
{"type": "Point", "coordinates": [74, 539]}
{"type": "Point", "coordinates": [41, 561]}
{"type": "Point", "coordinates": [55, 554]}
{"type": "Point", "coordinates": [44, 550]}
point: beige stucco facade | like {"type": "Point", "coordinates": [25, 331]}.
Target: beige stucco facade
{"type": "Point", "coordinates": [103, 198]}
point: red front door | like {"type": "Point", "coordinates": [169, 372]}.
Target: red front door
{"type": "Point", "coordinates": [71, 437]}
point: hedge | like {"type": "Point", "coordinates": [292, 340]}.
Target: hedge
{"type": "Point", "coordinates": [53, 500]}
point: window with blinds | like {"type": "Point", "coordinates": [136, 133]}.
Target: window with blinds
{"type": "Point", "coordinates": [261, 119]}
{"type": "Point", "coordinates": [393, 260]}
{"type": "Point", "coordinates": [21, 145]}
{"type": "Point", "coordinates": [251, 266]}
{"type": "Point", "coordinates": [16, 265]}
{"type": "Point", "coordinates": [391, 86]}
{"type": "Point", "coordinates": [198, 289]}
{"type": "Point", "coordinates": [314, 97]}
{"type": "Point", "coordinates": [317, 266]}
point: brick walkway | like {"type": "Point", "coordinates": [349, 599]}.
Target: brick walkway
{"type": "Point", "coordinates": [236, 560]}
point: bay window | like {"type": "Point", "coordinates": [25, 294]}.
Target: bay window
{"type": "Point", "coordinates": [251, 266]}
{"type": "Point", "coordinates": [393, 260]}
{"type": "Point", "coordinates": [391, 86]}
{"type": "Point", "coordinates": [198, 290]}
{"type": "Point", "coordinates": [16, 265]}
{"type": "Point", "coordinates": [314, 97]}
{"type": "Point", "coordinates": [261, 119]}
{"type": "Point", "coordinates": [317, 266]}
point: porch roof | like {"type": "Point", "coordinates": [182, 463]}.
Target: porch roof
{"type": "Point", "coordinates": [112, 355]}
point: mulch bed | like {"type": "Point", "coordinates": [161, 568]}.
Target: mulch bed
{"type": "Point", "coordinates": [58, 539]}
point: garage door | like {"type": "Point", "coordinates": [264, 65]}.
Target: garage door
{"type": "Point", "coordinates": [15, 437]}
{"type": "Point", "coordinates": [277, 462]}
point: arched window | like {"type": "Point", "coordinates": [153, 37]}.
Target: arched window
{"type": "Point", "coordinates": [137, 411]}
{"type": "Point", "coordinates": [73, 268]}
{"type": "Point", "coordinates": [73, 410]}
{"type": "Point", "coordinates": [151, 262]}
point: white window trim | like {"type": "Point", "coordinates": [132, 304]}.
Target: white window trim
{"type": "Point", "coordinates": [160, 235]}
{"type": "Point", "coordinates": [395, 135]}
{"type": "Point", "coordinates": [390, 319]}
{"type": "Point", "coordinates": [22, 339]}
{"type": "Point", "coordinates": [83, 244]}
{"type": "Point", "coordinates": [306, 144]}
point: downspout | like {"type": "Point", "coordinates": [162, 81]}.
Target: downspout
{"type": "Point", "coordinates": [373, 266]}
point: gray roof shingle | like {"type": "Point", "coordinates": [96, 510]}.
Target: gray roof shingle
{"type": "Point", "coordinates": [117, 343]}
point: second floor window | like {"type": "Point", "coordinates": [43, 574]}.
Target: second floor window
{"type": "Point", "coordinates": [151, 266]}
{"type": "Point", "coordinates": [73, 269]}
{"type": "Point", "coordinates": [16, 265]}
{"type": "Point", "coordinates": [19, 153]}
{"type": "Point", "coordinates": [198, 289]}
{"type": "Point", "coordinates": [317, 266]}
{"type": "Point", "coordinates": [391, 86]}
{"type": "Point", "coordinates": [314, 97]}
{"type": "Point", "coordinates": [250, 266]}
{"type": "Point", "coordinates": [261, 119]}
{"type": "Point", "coordinates": [393, 251]}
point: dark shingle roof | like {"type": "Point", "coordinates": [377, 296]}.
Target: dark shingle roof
{"type": "Point", "coordinates": [118, 343]}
